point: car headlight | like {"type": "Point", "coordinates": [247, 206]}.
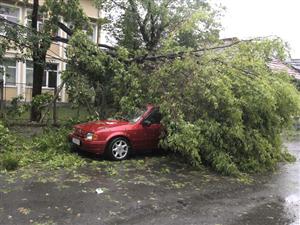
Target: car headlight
{"type": "Point", "coordinates": [89, 136]}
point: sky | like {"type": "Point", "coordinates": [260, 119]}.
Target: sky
{"type": "Point", "coordinates": [258, 18]}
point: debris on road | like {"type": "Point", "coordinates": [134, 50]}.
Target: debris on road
{"type": "Point", "coordinates": [99, 191]}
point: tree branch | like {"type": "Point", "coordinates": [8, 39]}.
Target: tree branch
{"type": "Point", "coordinates": [119, 5]}
{"type": "Point", "coordinates": [142, 27]}
{"type": "Point", "coordinates": [55, 39]}
{"type": "Point", "coordinates": [144, 58]}
{"type": "Point", "coordinates": [139, 59]}
{"type": "Point", "coordinates": [55, 97]}
{"type": "Point", "coordinates": [65, 28]}
{"type": "Point", "coordinates": [60, 39]}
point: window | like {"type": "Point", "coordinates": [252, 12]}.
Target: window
{"type": "Point", "coordinates": [29, 73]}
{"type": "Point", "coordinates": [154, 117]}
{"type": "Point", "coordinates": [39, 23]}
{"type": "Point", "coordinates": [93, 34]}
{"type": "Point", "coordinates": [49, 76]}
{"type": "Point", "coordinates": [8, 71]}
{"type": "Point", "coordinates": [10, 13]}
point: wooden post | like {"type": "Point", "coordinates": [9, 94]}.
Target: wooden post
{"type": "Point", "coordinates": [1, 98]}
{"type": "Point", "coordinates": [54, 108]}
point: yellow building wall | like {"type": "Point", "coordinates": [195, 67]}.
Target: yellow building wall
{"type": "Point", "coordinates": [54, 51]}
{"type": "Point", "coordinates": [28, 92]}
{"type": "Point", "coordinates": [87, 6]}
{"type": "Point", "coordinates": [50, 91]}
{"type": "Point", "coordinates": [9, 93]}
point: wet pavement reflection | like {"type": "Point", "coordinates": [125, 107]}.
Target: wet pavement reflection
{"type": "Point", "coordinates": [152, 190]}
{"type": "Point", "coordinates": [289, 184]}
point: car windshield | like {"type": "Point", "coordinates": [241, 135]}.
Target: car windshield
{"type": "Point", "coordinates": [134, 116]}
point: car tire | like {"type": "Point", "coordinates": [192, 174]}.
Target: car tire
{"type": "Point", "coordinates": [74, 148]}
{"type": "Point", "coordinates": [118, 149]}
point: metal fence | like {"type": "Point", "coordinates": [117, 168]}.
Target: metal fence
{"type": "Point", "coordinates": [56, 112]}
{"type": "Point", "coordinates": [1, 96]}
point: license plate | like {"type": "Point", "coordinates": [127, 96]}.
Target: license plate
{"type": "Point", "coordinates": [76, 141]}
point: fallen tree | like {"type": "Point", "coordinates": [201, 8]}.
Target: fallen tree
{"type": "Point", "coordinates": [225, 109]}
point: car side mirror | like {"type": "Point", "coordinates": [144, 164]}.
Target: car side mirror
{"type": "Point", "coordinates": [146, 123]}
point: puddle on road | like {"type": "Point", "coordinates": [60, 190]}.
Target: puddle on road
{"type": "Point", "coordinates": [289, 184]}
{"type": "Point", "coordinates": [292, 206]}
{"type": "Point", "coordinates": [293, 200]}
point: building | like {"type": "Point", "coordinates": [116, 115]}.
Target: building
{"type": "Point", "coordinates": [295, 63]}
{"type": "Point", "coordinates": [17, 75]}
{"type": "Point", "coordinates": [278, 65]}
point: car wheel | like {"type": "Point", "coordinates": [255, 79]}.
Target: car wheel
{"type": "Point", "coordinates": [118, 149]}
{"type": "Point", "coordinates": [74, 148]}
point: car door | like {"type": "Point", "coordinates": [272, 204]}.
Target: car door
{"type": "Point", "coordinates": [148, 131]}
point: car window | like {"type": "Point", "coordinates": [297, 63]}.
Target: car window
{"type": "Point", "coordinates": [136, 115]}
{"type": "Point", "coordinates": [155, 117]}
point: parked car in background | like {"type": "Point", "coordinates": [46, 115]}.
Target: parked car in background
{"type": "Point", "coordinates": [118, 138]}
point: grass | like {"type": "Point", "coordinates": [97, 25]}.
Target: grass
{"type": "Point", "coordinates": [64, 113]}
{"type": "Point", "coordinates": [48, 149]}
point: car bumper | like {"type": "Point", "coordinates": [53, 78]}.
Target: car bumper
{"type": "Point", "coordinates": [96, 147]}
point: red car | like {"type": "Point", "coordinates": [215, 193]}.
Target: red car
{"type": "Point", "coordinates": [117, 138]}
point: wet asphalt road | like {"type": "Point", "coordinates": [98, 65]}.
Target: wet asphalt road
{"type": "Point", "coordinates": [155, 191]}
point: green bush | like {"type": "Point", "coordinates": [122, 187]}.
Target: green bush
{"type": "Point", "coordinates": [9, 161]}
{"type": "Point", "coordinates": [4, 136]}
{"type": "Point", "coordinates": [17, 108]}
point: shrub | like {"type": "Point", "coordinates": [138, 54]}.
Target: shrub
{"type": "Point", "coordinates": [4, 136]}
{"type": "Point", "coordinates": [17, 108]}
{"type": "Point", "coordinates": [9, 161]}
{"type": "Point", "coordinates": [8, 158]}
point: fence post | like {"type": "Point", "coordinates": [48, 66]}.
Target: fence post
{"type": "Point", "coordinates": [1, 98]}
{"type": "Point", "coordinates": [54, 108]}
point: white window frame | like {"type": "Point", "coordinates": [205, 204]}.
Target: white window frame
{"type": "Point", "coordinates": [3, 69]}
{"type": "Point", "coordinates": [47, 76]}
{"type": "Point", "coordinates": [28, 68]}
{"type": "Point", "coordinates": [11, 6]}
{"type": "Point", "coordinates": [94, 30]}
{"type": "Point", "coordinates": [39, 22]}
{"type": "Point", "coordinates": [5, 16]}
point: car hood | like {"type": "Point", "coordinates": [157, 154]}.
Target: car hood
{"type": "Point", "coordinates": [101, 124]}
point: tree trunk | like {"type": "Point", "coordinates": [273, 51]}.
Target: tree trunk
{"type": "Point", "coordinates": [100, 100]}
{"type": "Point", "coordinates": [38, 71]}
{"type": "Point", "coordinates": [38, 58]}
